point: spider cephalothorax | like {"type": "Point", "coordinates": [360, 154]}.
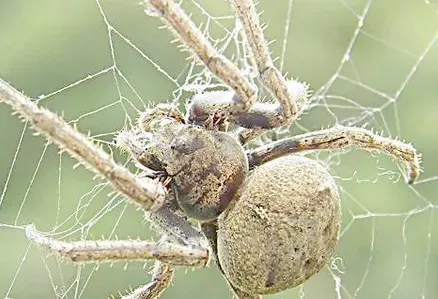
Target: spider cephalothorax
{"type": "Point", "coordinates": [189, 154]}
{"type": "Point", "coordinates": [271, 217]}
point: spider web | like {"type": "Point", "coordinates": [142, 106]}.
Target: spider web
{"type": "Point", "coordinates": [98, 63]}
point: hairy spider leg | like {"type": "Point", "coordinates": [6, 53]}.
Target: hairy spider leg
{"type": "Point", "coordinates": [339, 138]}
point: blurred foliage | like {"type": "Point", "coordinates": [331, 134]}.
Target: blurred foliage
{"type": "Point", "coordinates": [47, 45]}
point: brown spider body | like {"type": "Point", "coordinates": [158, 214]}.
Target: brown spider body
{"type": "Point", "coordinates": [270, 228]}
{"type": "Point", "coordinates": [281, 221]}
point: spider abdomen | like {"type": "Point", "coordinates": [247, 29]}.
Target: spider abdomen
{"type": "Point", "coordinates": [282, 228]}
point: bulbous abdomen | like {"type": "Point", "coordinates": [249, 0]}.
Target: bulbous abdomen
{"type": "Point", "coordinates": [282, 228]}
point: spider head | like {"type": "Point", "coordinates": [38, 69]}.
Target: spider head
{"type": "Point", "coordinates": [186, 147]}
{"type": "Point", "coordinates": [207, 168]}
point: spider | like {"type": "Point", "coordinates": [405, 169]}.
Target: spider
{"type": "Point", "coordinates": [270, 218]}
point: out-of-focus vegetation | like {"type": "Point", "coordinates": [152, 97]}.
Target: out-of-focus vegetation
{"type": "Point", "coordinates": [47, 45]}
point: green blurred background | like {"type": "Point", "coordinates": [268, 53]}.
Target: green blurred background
{"type": "Point", "coordinates": [389, 243]}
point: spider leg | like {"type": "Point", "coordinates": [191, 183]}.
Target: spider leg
{"type": "Point", "coordinates": [291, 95]}
{"type": "Point", "coordinates": [339, 138]}
{"type": "Point", "coordinates": [162, 276]}
{"type": "Point", "coordinates": [146, 196]}
{"type": "Point", "coordinates": [170, 221]}
{"type": "Point", "coordinates": [236, 106]}
{"type": "Point", "coordinates": [246, 135]}
{"type": "Point", "coordinates": [210, 232]}
{"type": "Point", "coordinates": [176, 229]}
{"type": "Point", "coordinates": [121, 250]}
{"type": "Point", "coordinates": [269, 75]}
{"type": "Point", "coordinates": [217, 106]}
{"type": "Point", "coordinates": [218, 64]}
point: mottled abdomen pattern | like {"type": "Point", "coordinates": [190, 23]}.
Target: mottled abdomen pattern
{"type": "Point", "coordinates": [282, 228]}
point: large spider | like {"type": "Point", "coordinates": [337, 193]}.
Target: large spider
{"type": "Point", "coordinates": [270, 219]}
